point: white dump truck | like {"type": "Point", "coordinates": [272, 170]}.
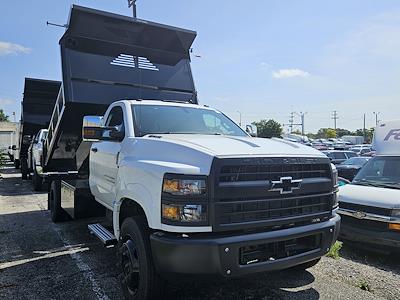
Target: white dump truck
{"type": "Point", "coordinates": [183, 189]}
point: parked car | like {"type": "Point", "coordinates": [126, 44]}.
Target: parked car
{"type": "Point", "coordinates": [339, 156]}
{"type": "Point", "coordinates": [361, 149]}
{"type": "Point", "coordinates": [370, 204]}
{"type": "Point", "coordinates": [349, 168]}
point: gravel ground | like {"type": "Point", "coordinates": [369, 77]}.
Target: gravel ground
{"type": "Point", "coordinates": [43, 260]}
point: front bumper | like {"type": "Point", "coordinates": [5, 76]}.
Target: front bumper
{"type": "Point", "coordinates": [221, 255]}
{"type": "Point", "coordinates": [389, 239]}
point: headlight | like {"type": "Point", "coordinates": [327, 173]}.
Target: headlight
{"type": "Point", "coordinates": [184, 200]}
{"type": "Point", "coordinates": [335, 179]}
{"type": "Point", "coordinates": [395, 213]}
{"type": "Point", "coordinates": [186, 213]}
{"type": "Point", "coordinates": [182, 187]}
{"type": "Point", "coordinates": [395, 217]}
{"type": "Point", "coordinates": [335, 176]}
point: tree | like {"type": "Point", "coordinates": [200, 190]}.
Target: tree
{"type": "Point", "coordinates": [296, 131]}
{"type": "Point", "coordinates": [341, 132]}
{"type": "Point", "coordinates": [326, 133]}
{"type": "Point", "coordinates": [268, 129]}
{"type": "Point", "coordinates": [3, 116]}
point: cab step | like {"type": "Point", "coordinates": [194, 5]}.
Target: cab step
{"type": "Point", "coordinates": [105, 236]}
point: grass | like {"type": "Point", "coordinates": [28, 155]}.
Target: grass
{"type": "Point", "coordinates": [364, 285]}
{"type": "Point", "coordinates": [334, 252]}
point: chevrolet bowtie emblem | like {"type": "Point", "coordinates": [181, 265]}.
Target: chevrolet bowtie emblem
{"type": "Point", "coordinates": [286, 185]}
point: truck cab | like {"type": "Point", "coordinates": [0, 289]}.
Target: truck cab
{"type": "Point", "coordinates": [212, 199]}
{"type": "Point", "coordinates": [370, 204]}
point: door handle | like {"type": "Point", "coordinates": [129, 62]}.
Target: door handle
{"type": "Point", "coordinates": [93, 149]}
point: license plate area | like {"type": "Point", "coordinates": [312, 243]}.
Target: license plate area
{"type": "Point", "coordinates": [259, 253]}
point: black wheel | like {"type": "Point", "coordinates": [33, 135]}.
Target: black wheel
{"type": "Point", "coordinates": [37, 181]}
{"type": "Point", "coordinates": [24, 169]}
{"type": "Point", "coordinates": [16, 163]}
{"type": "Point", "coordinates": [307, 265]}
{"type": "Point", "coordinates": [138, 276]}
{"type": "Point", "coordinates": [54, 201]}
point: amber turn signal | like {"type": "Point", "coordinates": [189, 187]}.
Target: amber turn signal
{"type": "Point", "coordinates": [394, 226]}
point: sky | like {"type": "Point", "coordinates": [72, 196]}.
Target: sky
{"type": "Point", "coordinates": [258, 59]}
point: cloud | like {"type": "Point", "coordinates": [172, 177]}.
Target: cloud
{"type": "Point", "coordinates": [289, 73]}
{"type": "Point", "coordinates": [10, 48]}
{"type": "Point", "coordinates": [4, 101]}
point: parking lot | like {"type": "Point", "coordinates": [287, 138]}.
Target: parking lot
{"type": "Point", "coordinates": [43, 260]}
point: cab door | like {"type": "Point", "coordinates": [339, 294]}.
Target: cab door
{"type": "Point", "coordinates": [104, 159]}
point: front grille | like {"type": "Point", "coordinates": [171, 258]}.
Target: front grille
{"type": "Point", "coordinates": [365, 224]}
{"type": "Point", "coordinates": [235, 173]}
{"type": "Point", "coordinates": [243, 196]}
{"type": "Point", "coordinates": [367, 209]}
{"type": "Point", "coordinates": [271, 209]}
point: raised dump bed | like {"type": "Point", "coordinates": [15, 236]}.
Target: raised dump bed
{"type": "Point", "coordinates": [106, 58]}
{"type": "Point", "coordinates": [37, 106]}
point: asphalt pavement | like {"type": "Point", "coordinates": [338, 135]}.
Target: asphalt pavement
{"type": "Point", "coordinates": [43, 260]}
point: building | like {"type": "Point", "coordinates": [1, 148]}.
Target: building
{"type": "Point", "coordinates": [8, 134]}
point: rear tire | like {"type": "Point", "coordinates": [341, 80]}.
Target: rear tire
{"type": "Point", "coordinates": [138, 277]}
{"type": "Point", "coordinates": [24, 169]}
{"type": "Point", "coordinates": [307, 265]}
{"type": "Point", "coordinates": [54, 201]}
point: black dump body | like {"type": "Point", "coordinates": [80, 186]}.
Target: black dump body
{"type": "Point", "coordinates": [37, 107]}
{"type": "Point", "coordinates": [106, 58]}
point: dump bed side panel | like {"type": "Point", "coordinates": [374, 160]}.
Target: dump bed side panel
{"type": "Point", "coordinates": [106, 58]}
{"type": "Point", "coordinates": [37, 106]}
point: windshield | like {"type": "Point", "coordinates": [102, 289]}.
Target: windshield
{"type": "Point", "coordinates": [357, 161]}
{"type": "Point", "coordinates": [380, 171]}
{"type": "Point", "coordinates": [162, 119]}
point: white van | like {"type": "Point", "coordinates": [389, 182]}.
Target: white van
{"type": "Point", "coordinates": [370, 204]}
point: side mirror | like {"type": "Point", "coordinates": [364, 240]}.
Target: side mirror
{"type": "Point", "coordinates": [252, 130]}
{"type": "Point", "coordinates": [92, 129]}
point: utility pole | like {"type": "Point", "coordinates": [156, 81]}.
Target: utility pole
{"type": "Point", "coordinates": [364, 130]}
{"type": "Point", "coordinates": [335, 117]}
{"type": "Point", "coordinates": [376, 117]}
{"type": "Point", "coordinates": [132, 3]}
{"type": "Point", "coordinates": [240, 118]}
{"type": "Point", "coordinates": [291, 121]}
{"type": "Point", "coordinates": [302, 114]}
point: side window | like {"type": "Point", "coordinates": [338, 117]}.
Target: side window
{"type": "Point", "coordinates": [115, 118]}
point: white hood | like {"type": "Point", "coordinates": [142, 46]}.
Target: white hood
{"type": "Point", "coordinates": [370, 196]}
{"type": "Point", "coordinates": [232, 145]}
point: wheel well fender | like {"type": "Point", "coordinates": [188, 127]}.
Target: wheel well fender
{"type": "Point", "coordinates": [124, 208]}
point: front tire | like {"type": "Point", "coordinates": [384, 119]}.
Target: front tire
{"type": "Point", "coordinates": [138, 276]}
{"type": "Point", "coordinates": [37, 181]}
{"type": "Point", "coordinates": [16, 163]}
{"type": "Point", "coordinates": [24, 169]}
